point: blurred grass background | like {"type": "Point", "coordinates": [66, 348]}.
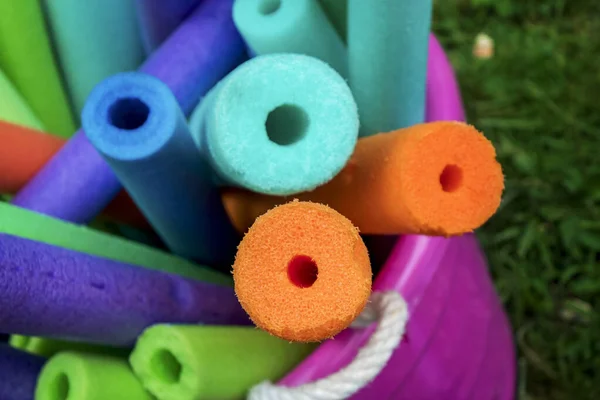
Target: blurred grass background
{"type": "Point", "coordinates": [538, 100]}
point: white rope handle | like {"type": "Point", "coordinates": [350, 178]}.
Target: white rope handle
{"type": "Point", "coordinates": [392, 312]}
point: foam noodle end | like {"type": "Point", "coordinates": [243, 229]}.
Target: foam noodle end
{"type": "Point", "coordinates": [302, 272]}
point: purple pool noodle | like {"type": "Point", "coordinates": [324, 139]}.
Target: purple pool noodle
{"type": "Point", "coordinates": [77, 184]}
{"type": "Point", "coordinates": [54, 292]}
{"type": "Point", "coordinates": [458, 342]}
{"type": "Point", "coordinates": [207, 47]}
{"type": "Point", "coordinates": [18, 373]}
{"type": "Point", "coordinates": [158, 18]}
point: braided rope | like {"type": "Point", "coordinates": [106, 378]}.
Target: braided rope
{"type": "Point", "coordinates": [392, 312]}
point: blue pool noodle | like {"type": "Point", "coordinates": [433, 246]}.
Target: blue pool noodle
{"type": "Point", "coordinates": [77, 184]}
{"type": "Point", "coordinates": [54, 292]}
{"type": "Point", "coordinates": [94, 39]}
{"type": "Point", "coordinates": [387, 57]}
{"type": "Point", "coordinates": [18, 373]}
{"type": "Point", "coordinates": [159, 18]}
{"type": "Point", "coordinates": [290, 26]}
{"type": "Point", "coordinates": [313, 127]}
{"type": "Point", "coordinates": [135, 123]}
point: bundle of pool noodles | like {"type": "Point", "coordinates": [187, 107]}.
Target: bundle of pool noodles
{"type": "Point", "coordinates": [25, 151]}
{"type": "Point", "coordinates": [258, 139]}
{"type": "Point", "coordinates": [438, 178]}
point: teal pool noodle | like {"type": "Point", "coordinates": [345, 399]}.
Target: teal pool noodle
{"type": "Point", "coordinates": [134, 121]}
{"type": "Point", "coordinates": [278, 124]}
{"type": "Point", "coordinates": [387, 58]}
{"type": "Point", "coordinates": [93, 39]}
{"type": "Point", "coordinates": [337, 12]}
{"type": "Point", "coordinates": [290, 26]}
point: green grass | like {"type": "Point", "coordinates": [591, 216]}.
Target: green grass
{"type": "Point", "coordinates": [537, 99]}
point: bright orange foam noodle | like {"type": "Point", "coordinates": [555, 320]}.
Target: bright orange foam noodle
{"type": "Point", "coordinates": [302, 272]}
{"type": "Point", "coordinates": [23, 151]}
{"type": "Point", "coordinates": [438, 178]}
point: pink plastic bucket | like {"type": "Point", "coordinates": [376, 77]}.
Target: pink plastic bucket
{"type": "Point", "coordinates": [459, 342]}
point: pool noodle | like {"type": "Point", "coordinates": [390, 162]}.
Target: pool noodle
{"type": "Point", "coordinates": [30, 225]}
{"type": "Point", "coordinates": [210, 362]}
{"type": "Point", "coordinates": [205, 48]}
{"type": "Point", "coordinates": [158, 18]}
{"type": "Point", "coordinates": [308, 142]}
{"type": "Point", "coordinates": [46, 347]}
{"type": "Point", "coordinates": [25, 151]}
{"type": "Point", "coordinates": [387, 57]}
{"type": "Point", "coordinates": [93, 39]}
{"type": "Point", "coordinates": [295, 26]}
{"type": "Point", "coordinates": [77, 184]}
{"type": "Point", "coordinates": [81, 376]}
{"type": "Point", "coordinates": [60, 293]}
{"type": "Point", "coordinates": [439, 178]}
{"type": "Point", "coordinates": [335, 354]}
{"type": "Point", "coordinates": [159, 165]}
{"type": "Point", "coordinates": [337, 12]}
{"type": "Point", "coordinates": [13, 107]}
{"type": "Point", "coordinates": [26, 58]}
{"type": "Point", "coordinates": [302, 272]}
{"type": "Point", "coordinates": [19, 372]}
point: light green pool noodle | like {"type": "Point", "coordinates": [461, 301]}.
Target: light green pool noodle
{"type": "Point", "coordinates": [28, 224]}
{"type": "Point", "coordinates": [337, 12]}
{"type": "Point", "coordinates": [27, 60]}
{"type": "Point", "coordinates": [290, 26]}
{"type": "Point", "coordinates": [387, 57]}
{"type": "Point", "coordinates": [187, 362]}
{"type": "Point", "coordinates": [13, 108]}
{"type": "Point", "coordinates": [49, 347]}
{"type": "Point", "coordinates": [94, 39]}
{"type": "Point", "coordinates": [81, 376]}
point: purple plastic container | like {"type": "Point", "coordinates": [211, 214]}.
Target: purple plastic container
{"type": "Point", "coordinates": [458, 344]}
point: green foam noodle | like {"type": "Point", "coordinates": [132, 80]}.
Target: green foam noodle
{"type": "Point", "coordinates": [186, 362]}
{"type": "Point", "coordinates": [13, 108]}
{"type": "Point", "coordinates": [81, 376]}
{"type": "Point", "coordinates": [27, 59]}
{"type": "Point", "coordinates": [27, 224]}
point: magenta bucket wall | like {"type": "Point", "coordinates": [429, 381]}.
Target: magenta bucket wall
{"type": "Point", "coordinates": [459, 342]}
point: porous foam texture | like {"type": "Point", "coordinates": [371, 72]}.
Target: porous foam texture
{"type": "Point", "coordinates": [188, 362]}
{"type": "Point", "coordinates": [61, 293]}
{"type": "Point", "coordinates": [439, 178]}
{"type": "Point", "coordinates": [281, 124]}
{"type": "Point", "coordinates": [81, 376]}
{"type": "Point", "coordinates": [302, 272]}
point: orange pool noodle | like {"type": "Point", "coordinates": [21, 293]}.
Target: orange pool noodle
{"type": "Point", "coordinates": [302, 272]}
{"type": "Point", "coordinates": [438, 178]}
{"type": "Point", "coordinates": [23, 151]}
